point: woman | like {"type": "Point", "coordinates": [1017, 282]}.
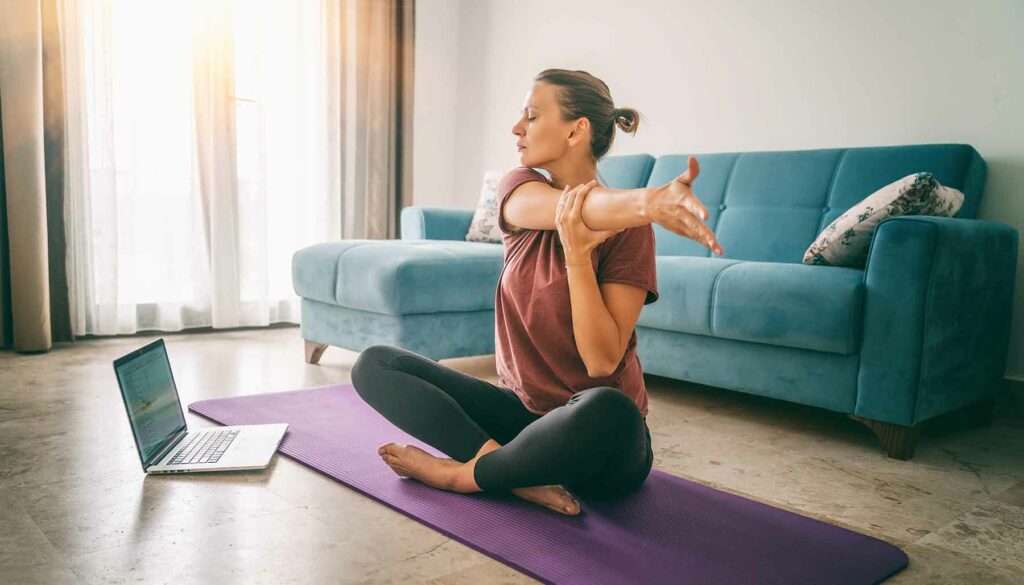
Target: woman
{"type": "Point", "coordinates": [570, 408]}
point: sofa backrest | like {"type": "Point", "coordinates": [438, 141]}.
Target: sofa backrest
{"type": "Point", "coordinates": [769, 206]}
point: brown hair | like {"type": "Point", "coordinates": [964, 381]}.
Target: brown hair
{"type": "Point", "coordinates": [581, 95]}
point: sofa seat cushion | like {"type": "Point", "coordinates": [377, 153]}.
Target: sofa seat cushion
{"type": "Point", "coordinates": [792, 305]}
{"type": "Point", "coordinates": [684, 286]}
{"type": "Point", "coordinates": [399, 277]}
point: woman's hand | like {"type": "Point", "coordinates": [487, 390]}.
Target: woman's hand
{"type": "Point", "coordinates": [577, 239]}
{"type": "Point", "coordinates": [675, 207]}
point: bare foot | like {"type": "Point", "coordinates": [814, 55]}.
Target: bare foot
{"type": "Point", "coordinates": [411, 461]}
{"type": "Point", "coordinates": [550, 496]}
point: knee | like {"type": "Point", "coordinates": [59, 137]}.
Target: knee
{"type": "Point", "coordinates": [369, 360]}
{"type": "Point", "coordinates": [606, 409]}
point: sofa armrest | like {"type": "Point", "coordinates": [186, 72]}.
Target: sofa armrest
{"type": "Point", "coordinates": [435, 223]}
{"type": "Point", "coordinates": [938, 297]}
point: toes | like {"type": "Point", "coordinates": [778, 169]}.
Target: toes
{"type": "Point", "coordinates": [572, 504]}
{"type": "Point", "coordinates": [566, 495]}
{"type": "Point", "coordinates": [393, 463]}
{"type": "Point", "coordinates": [570, 510]}
{"type": "Point", "coordinates": [571, 507]}
{"type": "Point", "coordinates": [390, 448]}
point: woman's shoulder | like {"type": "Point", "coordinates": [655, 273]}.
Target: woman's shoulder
{"type": "Point", "coordinates": [517, 176]}
{"type": "Point", "coordinates": [525, 172]}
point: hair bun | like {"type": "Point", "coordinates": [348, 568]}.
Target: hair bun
{"type": "Point", "coordinates": [627, 119]}
{"type": "Point", "coordinates": [581, 95]}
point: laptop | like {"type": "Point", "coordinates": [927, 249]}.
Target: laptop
{"type": "Point", "coordinates": [158, 424]}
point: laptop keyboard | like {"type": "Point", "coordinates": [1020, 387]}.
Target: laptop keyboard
{"type": "Point", "coordinates": [204, 448]}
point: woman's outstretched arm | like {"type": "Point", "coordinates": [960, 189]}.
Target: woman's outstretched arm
{"type": "Point", "coordinates": [672, 206]}
{"type": "Point", "coordinates": [532, 206]}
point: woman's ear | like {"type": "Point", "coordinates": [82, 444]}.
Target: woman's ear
{"type": "Point", "coordinates": [579, 129]}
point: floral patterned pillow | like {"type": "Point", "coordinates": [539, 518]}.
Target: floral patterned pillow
{"type": "Point", "coordinates": [846, 240]}
{"type": "Point", "coordinates": [484, 227]}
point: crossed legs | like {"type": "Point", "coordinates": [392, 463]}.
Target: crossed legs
{"type": "Point", "coordinates": [596, 443]}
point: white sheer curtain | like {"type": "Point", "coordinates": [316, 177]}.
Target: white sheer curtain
{"type": "Point", "coordinates": [203, 150]}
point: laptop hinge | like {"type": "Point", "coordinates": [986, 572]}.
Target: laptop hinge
{"type": "Point", "coordinates": [170, 445]}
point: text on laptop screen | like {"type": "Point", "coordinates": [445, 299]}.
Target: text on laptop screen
{"type": "Point", "coordinates": [152, 399]}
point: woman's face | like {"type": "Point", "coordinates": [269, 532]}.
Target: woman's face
{"type": "Point", "coordinates": [541, 135]}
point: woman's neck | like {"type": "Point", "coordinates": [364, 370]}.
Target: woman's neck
{"type": "Point", "coordinates": [572, 175]}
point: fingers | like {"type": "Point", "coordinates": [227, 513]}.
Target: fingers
{"type": "Point", "coordinates": [696, 207]}
{"type": "Point", "coordinates": [693, 169]}
{"type": "Point", "coordinates": [689, 226]}
{"type": "Point", "coordinates": [704, 236]}
{"type": "Point", "coordinates": [711, 242]}
{"type": "Point", "coordinates": [575, 204]}
{"type": "Point", "coordinates": [570, 199]}
{"type": "Point", "coordinates": [690, 201]}
{"type": "Point", "coordinates": [560, 209]}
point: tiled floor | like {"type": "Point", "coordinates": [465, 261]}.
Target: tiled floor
{"type": "Point", "coordinates": [75, 506]}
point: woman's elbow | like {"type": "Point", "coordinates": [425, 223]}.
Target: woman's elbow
{"type": "Point", "coordinates": [600, 370]}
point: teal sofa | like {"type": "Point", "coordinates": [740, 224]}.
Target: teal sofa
{"type": "Point", "coordinates": [922, 330]}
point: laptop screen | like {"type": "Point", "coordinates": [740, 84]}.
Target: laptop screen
{"type": "Point", "coordinates": [150, 397]}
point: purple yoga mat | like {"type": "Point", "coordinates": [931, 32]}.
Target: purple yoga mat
{"type": "Point", "coordinates": [671, 530]}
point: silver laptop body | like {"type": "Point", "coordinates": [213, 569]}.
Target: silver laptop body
{"type": "Point", "coordinates": [164, 442]}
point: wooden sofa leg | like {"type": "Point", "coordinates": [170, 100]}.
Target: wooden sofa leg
{"type": "Point", "coordinates": [899, 441]}
{"type": "Point", "coordinates": [980, 413]}
{"type": "Point", "coordinates": [313, 351]}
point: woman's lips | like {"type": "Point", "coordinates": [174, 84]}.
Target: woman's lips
{"type": "Point", "coordinates": [521, 148]}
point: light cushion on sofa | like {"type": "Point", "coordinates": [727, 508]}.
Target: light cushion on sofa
{"type": "Point", "coordinates": [399, 277]}
{"type": "Point", "coordinates": [846, 240]}
{"type": "Point", "coordinates": [484, 227]}
{"type": "Point", "coordinates": [775, 303]}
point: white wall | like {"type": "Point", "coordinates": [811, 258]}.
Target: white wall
{"type": "Point", "coordinates": [732, 76]}
{"type": "Point", "coordinates": [435, 85]}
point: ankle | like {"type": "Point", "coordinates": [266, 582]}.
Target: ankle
{"type": "Point", "coordinates": [487, 447]}
{"type": "Point", "coordinates": [462, 479]}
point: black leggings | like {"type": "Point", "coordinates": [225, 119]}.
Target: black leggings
{"type": "Point", "coordinates": [596, 444]}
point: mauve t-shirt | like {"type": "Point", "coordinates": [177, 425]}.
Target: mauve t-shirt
{"type": "Point", "coordinates": [535, 344]}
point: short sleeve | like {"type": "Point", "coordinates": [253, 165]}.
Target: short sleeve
{"type": "Point", "coordinates": [629, 258]}
{"type": "Point", "coordinates": [509, 183]}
